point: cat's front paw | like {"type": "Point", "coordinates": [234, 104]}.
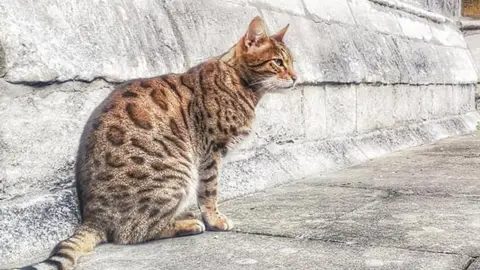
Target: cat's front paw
{"type": "Point", "coordinates": [217, 222]}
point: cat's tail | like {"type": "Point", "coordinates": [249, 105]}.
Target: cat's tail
{"type": "Point", "coordinates": [67, 252]}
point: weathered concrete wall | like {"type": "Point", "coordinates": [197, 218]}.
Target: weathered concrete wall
{"type": "Point", "coordinates": [472, 37]}
{"type": "Point", "coordinates": [374, 79]}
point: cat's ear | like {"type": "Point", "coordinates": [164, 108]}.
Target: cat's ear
{"type": "Point", "coordinates": [256, 31]}
{"type": "Point", "coordinates": [279, 36]}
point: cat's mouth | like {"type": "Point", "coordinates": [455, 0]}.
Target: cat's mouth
{"type": "Point", "coordinates": [286, 84]}
{"type": "Point", "coordinates": [272, 84]}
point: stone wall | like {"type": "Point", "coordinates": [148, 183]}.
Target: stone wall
{"type": "Point", "coordinates": [375, 78]}
{"type": "Point", "coordinates": [472, 37]}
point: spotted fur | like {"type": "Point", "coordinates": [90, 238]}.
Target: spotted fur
{"type": "Point", "coordinates": [153, 143]}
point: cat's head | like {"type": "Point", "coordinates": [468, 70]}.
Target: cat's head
{"type": "Point", "coordinates": [265, 63]}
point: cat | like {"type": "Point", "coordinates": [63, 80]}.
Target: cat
{"type": "Point", "coordinates": [154, 143]}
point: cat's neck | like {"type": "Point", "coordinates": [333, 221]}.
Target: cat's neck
{"type": "Point", "coordinates": [229, 58]}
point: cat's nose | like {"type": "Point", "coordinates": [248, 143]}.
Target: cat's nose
{"type": "Point", "coordinates": [294, 78]}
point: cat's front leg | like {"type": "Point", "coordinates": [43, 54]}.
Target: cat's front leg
{"type": "Point", "coordinates": [208, 192]}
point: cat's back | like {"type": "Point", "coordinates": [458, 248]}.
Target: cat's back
{"type": "Point", "coordinates": [124, 131]}
{"type": "Point", "coordinates": [140, 106]}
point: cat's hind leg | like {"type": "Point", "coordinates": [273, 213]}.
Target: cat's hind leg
{"type": "Point", "coordinates": [186, 215]}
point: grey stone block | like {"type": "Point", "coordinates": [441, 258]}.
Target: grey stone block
{"type": "Point", "coordinates": [380, 61]}
{"type": "Point", "coordinates": [447, 64]}
{"type": "Point", "coordinates": [279, 117]}
{"type": "Point", "coordinates": [346, 53]}
{"type": "Point", "coordinates": [375, 144]}
{"type": "Point", "coordinates": [473, 41]}
{"type": "Point", "coordinates": [374, 16]}
{"type": "Point", "coordinates": [32, 224]}
{"type": "Point", "coordinates": [463, 98]}
{"type": "Point", "coordinates": [374, 107]}
{"type": "Point", "coordinates": [463, 69]}
{"type": "Point", "coordinates": [411, 103]}
{"type": "Point", "coordinates": [56, 40]}
{"type": "Point", "coordinates": [402, 138]}
{"type": "Point", "coordinates": [314, 113]}
{"type": "Point", "coordinates": [292, 7]}
{"type": "Point", "coordinates": [205, 35]}
{"type": "Point", "coordinates": [422, 61]}
{"type": "Point", "coordinates": [442, 101]}
{"type": "Point", "coordinates": [425, 63]}
{"type": "Point", "coordinates": [340, 109]}
{"type": "Point", "coordinates": [457, 65]}
{"type": "Point", "coordinates": [448, 35]}
{"type": "Point", "coordinates": [249, 172]}
{"type": "Point", "coordinates": [415, 27]}
{"type": "Point", "coordinates": [301, 159]}
{"type": "Point", "coordinates": [381, 142]}
{"type": "Point", "coordinates": [456, 125]}
{"type": "Point", "coordinates": [40, 132]}
{"type": "Point", "coordinates": [310, 158]}
{"type": "Point", "coordinates": [330, 10]}
{"type": "Point", "coordinates": [397, 59]}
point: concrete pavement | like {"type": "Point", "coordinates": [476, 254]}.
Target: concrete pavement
{"type": "Point", "coordinates": [414, 209]}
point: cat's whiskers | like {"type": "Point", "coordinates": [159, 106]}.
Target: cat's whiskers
{"type": "Point", "coordinates": [258, 82]}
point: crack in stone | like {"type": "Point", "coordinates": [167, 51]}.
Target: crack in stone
{"type": "Point", "coordinates": [470, 262]}
{"type": "Point", "coordinates": [40, 84]}
{"type": "Point", "coordinates": [324, 83]}
{"type": "Point", "coordinates": [473, 258]}
{"type": "Point", "coordinates": [178, 35]}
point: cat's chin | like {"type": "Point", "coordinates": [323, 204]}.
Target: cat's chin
{"type": "Point", "coordinates": [284, 90]}
{"type": "Point", "coordinates": [286, 85]}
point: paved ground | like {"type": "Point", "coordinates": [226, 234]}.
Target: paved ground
{"type": "Point", "coordinates": [415, 209]}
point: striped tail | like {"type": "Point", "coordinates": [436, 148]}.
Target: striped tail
{"type": "Point", "coordinates": [67, 252]}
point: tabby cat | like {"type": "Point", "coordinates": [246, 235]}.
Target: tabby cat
{"type": "Point", "coordinates": [154, 143]}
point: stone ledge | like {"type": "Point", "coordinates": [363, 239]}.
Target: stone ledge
{"type": "Point", "coordinates": [469, 24]}
{"type": "Point", "coordinates": [313, 157]}
{"type": "Point", "coordinates": [395, 4]}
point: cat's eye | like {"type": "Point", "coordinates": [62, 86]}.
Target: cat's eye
{"type": "Point", "coordinates": [278, 62]}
